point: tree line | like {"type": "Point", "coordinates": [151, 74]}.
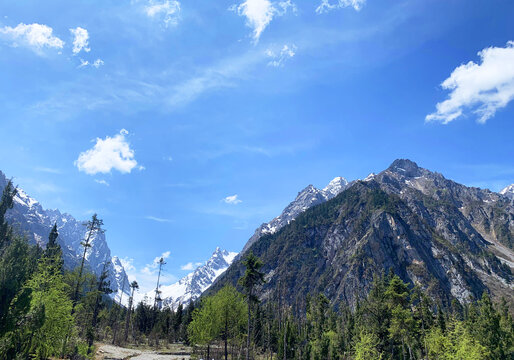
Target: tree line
{"type": "Point", "coordinates": [395, 321]}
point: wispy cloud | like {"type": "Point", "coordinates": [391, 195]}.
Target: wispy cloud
{"type": "Point", "coordinates": [108, 154]}
{"type": "Point", "coordinates": [102, 182]}
{"type": "Point", "coordinates": [96, 64]}
{"type": "Point", "coordinates": [158, 219]}
{"type": "Point", "coordinates": [33, 36]}
{"type": "Point", "coordinates": [480, 88]}
{"type": "Point", "coordinates": [278, 58]}
{"type": "Point", "coordinates": [167, 11]}
{"type": "Point", "coordinates": [327, 5]}
{"type": "Point", "coordinates": [233, 200]}
{"type": "Point", "coordinates": [48, 170]}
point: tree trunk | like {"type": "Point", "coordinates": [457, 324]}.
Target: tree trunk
{"type": "Point", "coordinates": [249, 328]}
{"type": "Point", "coordinates": [285, 341]}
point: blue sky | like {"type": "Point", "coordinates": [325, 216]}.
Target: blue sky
{"type": "Point", "coordinates": [156, 113]}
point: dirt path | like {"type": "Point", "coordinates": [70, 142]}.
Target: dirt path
{"type": "Point", "coordinates": [111, 352]}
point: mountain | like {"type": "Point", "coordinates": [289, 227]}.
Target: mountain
{"type": "Point", "coordinates": [453, 241]}
{"type": "Point", "coordinates": [195, 283]}
{"type": "Point", "coordinates": [508, 191]}
{"type": "Point", "coordinates": [30, 219]}
{"type": "Point", "coordinates": [308, 197]}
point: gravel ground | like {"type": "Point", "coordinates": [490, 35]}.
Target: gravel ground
{"type": "Point", "coordinates": [111, 352]}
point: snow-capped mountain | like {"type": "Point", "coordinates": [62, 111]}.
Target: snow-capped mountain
{"type": "Point", "coordinates": [190, 287]}
{"type": "Point", "coordinates": [308, 197]}
{"type": "Point", "coordinates": [30, 219]}
{"type": "Point", "coordinates": [508, 191]}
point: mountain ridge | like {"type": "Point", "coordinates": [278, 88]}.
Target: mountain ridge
{"type": "Point", "coordinates": [453, 240]}
{"type": "Point", "coordinates": [30, 219]}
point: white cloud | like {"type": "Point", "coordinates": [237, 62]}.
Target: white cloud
{"type": "Point", "coordinates": [96, 64]}
{"type": "Point", "coordinates": [108, 154]}
{"type": "Point", "coordinates": [188, 266]}
{"type": "Point", "coordinates": [33, 36]}
{"type": "Point", "coordinates": [327, 6]}
{"type": "Point", "coordinates": [80, 40]}
{"type": "Point", "coordinates": [146, 276]}
{"type": "Point", "coordinates": [158, 219]}
{"type": "Point", "coordinates": [480, 88]}
{"type": "Point", "coordinates": [151, 268]}
{"type": "Point", "coordinates": [279, 58]}
{"type": "Point", "coordinates": [102, 182]}
{"type": "Point", "coordinates": [232, 200]}
{"type": "Point", "coordinates": [167, 10]}
{"type": "Point", "coordinates": [259, 13]}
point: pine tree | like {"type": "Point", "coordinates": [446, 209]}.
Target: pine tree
{"type": "Point", "coordinates": [53, 249]}
{"type": "Point", "coordinates": [93, 226]}
{"type": "Point", "coordinates": [6, 203]}
{"type": "Point", "coordinates": [250, 280]}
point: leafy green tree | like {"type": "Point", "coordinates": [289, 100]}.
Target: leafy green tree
{"type": "Point", "coordinates": [204, 327]}
{"type": "Point", "coordinates": [250, 280]}
{"type": "Point", "coordinates": [456, 344]}
{"type": "Point", "coordinates": [49, 318]}
{"type": "Point", "coordinates": [231, 314]}
{"type": "Point", "coordinates": [366, 347]}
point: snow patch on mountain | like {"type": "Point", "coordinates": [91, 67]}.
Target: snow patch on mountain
{"type": "Point", "coordinates": [508, 191]}
{"type": "Point", "coordinates": [190, 287]}
{"type": "Point", "coordinates": [308, 197]}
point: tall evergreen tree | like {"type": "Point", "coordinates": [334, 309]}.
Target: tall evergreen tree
{"type": "Point", "coordinates": [6, 203]}
{"type": "Point", "coordinates": [93, 226]}
{"type": "Point", "coordinates": [250, 280]}
{"type": "Point", "coordinates": [53, 249]}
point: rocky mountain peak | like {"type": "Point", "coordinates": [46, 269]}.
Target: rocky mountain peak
{"type": "Point", "coordinates": [335, 186]}
{"type": "Point", "coordinates": [508, 191]}
{"type": "Point", "coordinates": [307, 198]}
{"type": "Point", "coordinates": [405, 167]}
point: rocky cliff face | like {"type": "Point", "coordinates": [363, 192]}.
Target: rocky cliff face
{"type": "Point", "coordinates": [30, 219]}
{"type": "Point", "coordinates": [454, 241]}
{"type": "Point", "coordinates": [308, 197]}
{"type": "Point", "coordinates": [190, 287]}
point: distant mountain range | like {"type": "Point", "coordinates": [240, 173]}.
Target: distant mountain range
{"type": "Point", "coordinates": [30, 219]}
{"type": "Point", "coordinates": [452, 240]}
{"type": "Point", "coordinates": [190, 287]}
